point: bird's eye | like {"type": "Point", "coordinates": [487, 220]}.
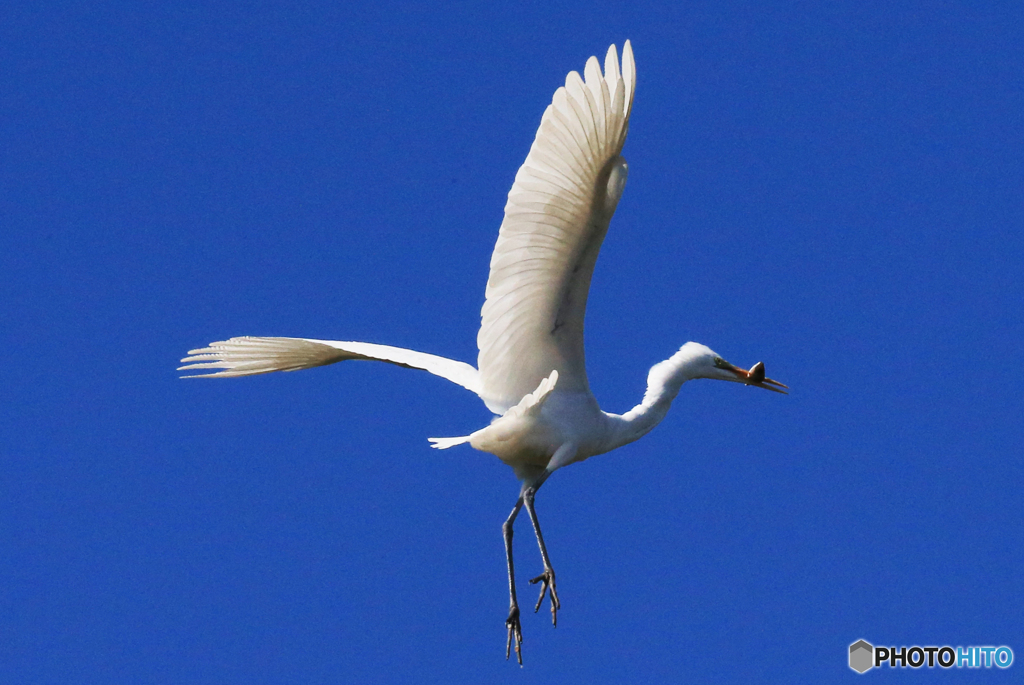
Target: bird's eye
{"type": "Point", "coordinates": [719, 362]}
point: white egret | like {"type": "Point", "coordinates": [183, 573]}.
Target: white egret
{"type": "Point", "coordinates": [530, 371]}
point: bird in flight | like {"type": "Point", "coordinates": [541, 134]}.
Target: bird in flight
{"type": "Point", "coordinates": [530, 370]}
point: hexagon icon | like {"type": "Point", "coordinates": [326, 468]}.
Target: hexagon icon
{"type": "Point", "coordinates": [862, 656]}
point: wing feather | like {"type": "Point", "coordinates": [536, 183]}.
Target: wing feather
{"type": "Point", "coordinates": [556, 217]}
{"type": "Point", "coordinates": [250, 356]}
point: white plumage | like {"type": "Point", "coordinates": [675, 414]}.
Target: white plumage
{"type": "Point", "coordinates": [531, 370]}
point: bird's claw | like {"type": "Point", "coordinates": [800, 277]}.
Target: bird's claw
{"type": "Point", "coordinates": [548, 580]}
{"type": "Point", "coordinates": [516, 630]}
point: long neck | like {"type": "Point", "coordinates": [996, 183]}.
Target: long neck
{"type": "Point", "coordinates": [663, 383]}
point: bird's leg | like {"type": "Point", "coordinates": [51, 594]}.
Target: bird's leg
{"type": "Point", "coordinates": [548, 577]}
{"type": "Point", "coordinates": [515, 630]}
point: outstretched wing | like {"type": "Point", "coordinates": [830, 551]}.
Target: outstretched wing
{"type": "Point", "coordinates": [556, 217]}
{"type": "Point", "coordinates": [250, 356]}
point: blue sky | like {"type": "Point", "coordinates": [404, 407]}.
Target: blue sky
{"type": "Point", "coordinates": [833, 188]}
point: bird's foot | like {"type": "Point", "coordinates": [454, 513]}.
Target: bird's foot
{"type": "Point", "coordinates": [514, 630]}
{"type": "Point", "coordinates": [548, 580]}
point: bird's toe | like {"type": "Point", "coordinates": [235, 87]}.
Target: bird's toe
{"type": "Point", "coordinates": [515, 631]}
{"type": "Point", "coordinates": [547, 580]}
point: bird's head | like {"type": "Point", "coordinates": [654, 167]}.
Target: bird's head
{"type": "Point", "coordinates": [707, 364]}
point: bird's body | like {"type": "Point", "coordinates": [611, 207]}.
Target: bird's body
{"type": "Point", "coordinates": [531, 369]}
{"type": "Point", "coordinates": [528, 436]}
{"type": "Point", "coordinates": [528, 440]}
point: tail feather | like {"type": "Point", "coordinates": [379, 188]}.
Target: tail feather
{"type": "Point", "coordinates": [445, 443]}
